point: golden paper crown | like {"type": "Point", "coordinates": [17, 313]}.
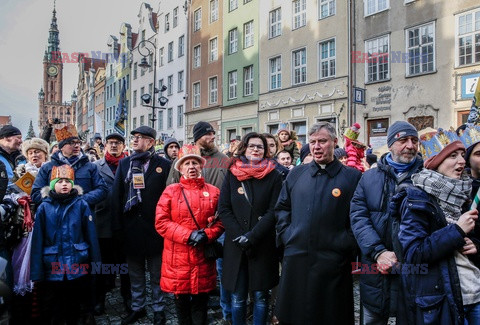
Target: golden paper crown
{"type": "Point", "coordinates": [432, 143]}
{"type": "Point", "coordinates": [66, 132]}
{"type": "Point", "coordinates": [189, 151]}
{"type": "Point", "coordinates": [63, 171]}
{"type": "Point", "coordinates": [470, 135]}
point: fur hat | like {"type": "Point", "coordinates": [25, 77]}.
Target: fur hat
{"type": "Point", "coordinates": [34, 143]}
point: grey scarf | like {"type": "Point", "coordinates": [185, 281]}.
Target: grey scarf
{"type": "Point", "coordinates": [450, 193]}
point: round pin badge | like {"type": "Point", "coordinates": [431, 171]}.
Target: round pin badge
{"type": "Point", "coordinates": [240, 191]}
{"type": "Point", "coordinates": [336, 192]}
{"type": "Point", "coordinates": [159, 170]}
{"type": "Point", "coordinates": [206, 194]}
{"type": "Point", "coordinates": [90, 218]}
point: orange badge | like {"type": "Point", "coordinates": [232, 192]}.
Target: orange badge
{"type": "Point", "coordinates": [240, 191]}
{"type": "Point", "coordinates": [336, 192]}
{"type": "Point", "coordinates": [159, 170]}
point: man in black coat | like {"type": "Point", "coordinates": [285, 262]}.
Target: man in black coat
{"type": "Point", "coordinates": [313, 226]}
{"type": "Point", "coordinates": [139, 182]}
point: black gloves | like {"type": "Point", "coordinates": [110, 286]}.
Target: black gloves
{"type": "Point", "coordinates": [197, 237]}
{"type": "Point", "coordinates": [243, 242]}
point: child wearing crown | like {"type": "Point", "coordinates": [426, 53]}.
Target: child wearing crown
{"type": "Point", "coordinates": [354, 148]}
{"type": "Point", "coordinates": [64, 244]}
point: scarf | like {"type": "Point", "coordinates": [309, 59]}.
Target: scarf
{"type": "Point", "coordinates": [287, 143]}
{"type": "Point", "coordinates": [137, 161]}
{"type": "Point", "coordinates": [25, 202]}
{"type": "Point", "coordinates": [244, 169]}
{"type": "Point", "coordinates": [113, 161]}
{"type": "Point", "coordinates": [63, 198]}
{"type": "Point", "coordinates": [399, 168]}
{"type": "Point", "coordinates": [450, 193]}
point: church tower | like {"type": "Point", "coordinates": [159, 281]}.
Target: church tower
{"type": "Point", "coordinates": [50, 97]}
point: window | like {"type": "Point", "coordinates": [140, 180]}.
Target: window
{"type": "Point", "coordinates": [248, 34]}
{"type": "Point", "coordinates": [179, 116]}
{"type": "Point", "coordinates": [181, 46]}
{"type": "Point", "coordinates": [142, 120]}
{"type": "Point", "coordinates": [373, 6]}
{"type": "Point", "coordinates": [468, 37]}
{"type": "Point", "coordinates": [246, 1]}
{"type": "Point", "coordinates": [142, 91]}
{"type": "Point", "coordinates": [213, 49]}
{"type": "Point", "coordinates": [299, 13]}
{"type": "Point", "coordinates": [233, 5]}
{"type": "Point", "coordinates": [213, 90]}
{"type": "Point", "coordinates": [180, 81]}
{"type": "Point", "coordinates": [150, 62]}
{"type": "Point", "coordinates": [161, 56]}
{"type": "Point", "coordinates": [327, 59]}
{"type": "Point", "coordinates": [150, 122]}
{"type": "Point", "coordinates": [326, 8]}
{"type": "Point", "coordinates": [170, 51]}
{"type": "Point", "coordinates": [276, 73]}
{"type": "Point", "coordinates": [421, 49]}
{"type": "Point", "coordinates": [170, 85]}
{"type": "Point", "coordinates": [197, 56]}
{"type": "Point", "coordinates": [196, 94]}
{"type": "Point", "coordinates": [232, 41]}
{"type": "Point", "coordinates": [134, 123]}
{"type": "Point", "coordinates": [160, 84]}
{"type": "Point", "coordinates": [197, 19]}
{"type": "Point", "coordinates": [246, 130]}
{"type": "Point", "coordinates": [135, 67]}
{"type": "Point", "coordinates": [301, 129]}
{"type": "Point", "coordinates": [169, 118]}
{"type": "Point", "coordinates": [232, 84]}
{"type": "Point", "coordinates": [377, 67]}
{"type": "Point", "coordinates": [299, 62]}
{"type": "Point", "coordinates": [175, 17]}
{"type": "Point", "coordinates": [134, 98]}
{"type": "Point", "coordinates": [150, 89]}
{"type": "Point", "coordinates": [167, 23]}
{"type": "Point", "coordinates": [275, 23]}
{"type": "Point", "coordinates": [248, 81]}
{"type": "Point", "coordinates": [160, 120]}
{"type": "Point", "coordinates": [213, 10]}
{"type": "Point", "coordinates": [231, 134]}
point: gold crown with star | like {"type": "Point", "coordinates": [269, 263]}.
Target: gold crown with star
{"type": "Point", "coordinates": [432, 143]}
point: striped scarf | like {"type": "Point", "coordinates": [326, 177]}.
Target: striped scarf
{"type": "Point", "coordinates": [450, 193]}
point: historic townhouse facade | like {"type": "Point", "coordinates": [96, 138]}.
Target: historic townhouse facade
{"type": "Point", "coordinates": [99, 102]}
{"type": "Point", "coordinates": [303, 65]}
{"type": "Point", "coordinates": [240, 68]}
{"type": "Point", "coordinates": [417, 60]}
{"type": "Point", "coordinates": [110, 77]}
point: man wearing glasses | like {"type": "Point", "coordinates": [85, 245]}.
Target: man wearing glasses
{"type": "Point", "coordinates": [139, 182]}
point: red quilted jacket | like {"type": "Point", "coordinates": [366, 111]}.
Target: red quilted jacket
{"type": "Point", "coordinates": [184, 268]}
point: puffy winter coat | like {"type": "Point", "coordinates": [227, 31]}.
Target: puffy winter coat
{"type": "Point", "coordinates": [184, 267]}
{"type": "Point", "coordinates": [371, 225]}
{"type": "Point", "coordinates": [64, 238]}
{"type": "Point", "coordinates": [86, 176]}
{"type": "Point", "coordinates": [354, 155]}
{"type": "Point", "coordinates": [434, 296]}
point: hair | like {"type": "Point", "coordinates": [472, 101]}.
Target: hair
{"type": "Point", "coordinates": [316, 127]}
{"type": "Point", "coordinates": [242, 147]}
{"type": "Point", "coordinates": [278, 153]}
{"type": "Point", "coordinates": [277, 143]}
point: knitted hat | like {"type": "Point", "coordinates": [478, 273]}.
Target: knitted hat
{"type": "Point", "coordinates": [283, 127]}
{"type": "Point", "coordinates": [200, 129]}
{"type": "Point", "coordinates": [169, 141]}
{"type": "Point", "coordinates": [59, 172]}
{"type": "Point", "coordinates": [52, 145]}
{"type": "Point", "coordinates": [189, 151]}
{"type": "Point", "coordinates": [353, 132]}
{"type": "Point", "coordinates": [145, 130]}
{"type": "Point", "coordinates": [435, 161]}
{"type": "Point", "coordinates": [339, 153]}
{"type": "Point", "coordinates": [304, 152]}
{"type": "Point", "coordinates": [399, 130]}
{"type": "Point", "coordinates": [9, 131]}
{"type": "Point", "coordinates": [34, 143]}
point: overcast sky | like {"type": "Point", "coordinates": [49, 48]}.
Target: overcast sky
{"type": "Point", "coordinates": [84, 27]}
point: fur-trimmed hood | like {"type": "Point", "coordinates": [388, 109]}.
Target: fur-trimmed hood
{"type": "Point", "coordinates": [46, 190]}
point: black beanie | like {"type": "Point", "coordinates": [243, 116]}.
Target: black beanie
{"type": "Point", "coordinates": [200, 129]}
{"type": "Point", "coordinates": [9, 131]}
{"type": "Point", "coordinates": [65, 141]}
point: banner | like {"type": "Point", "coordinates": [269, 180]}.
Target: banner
{"type": "Point", "coordinates": [121, 113]}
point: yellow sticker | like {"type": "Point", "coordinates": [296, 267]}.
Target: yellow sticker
{"type": "Point", "coordinates": [159, 170]}
{"type": "Point", "coordinates": [240, 191]}
{"type": "Point", "coordinates": [336, 192]}
{"type": "Point", "coordinates": [206, 194]}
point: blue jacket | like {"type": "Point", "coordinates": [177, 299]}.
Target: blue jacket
{"type": "Point", "coordinates": [426, 238]}
{"type": "Point", "coordinates": [86, 176]}
{"type": "Point", "coordinates": [63, 235]}
{"type": "Point", "coordinates": [371, 225]}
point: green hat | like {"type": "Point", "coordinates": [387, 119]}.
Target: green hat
{"type": "Point", "coordinates": [55, 180]}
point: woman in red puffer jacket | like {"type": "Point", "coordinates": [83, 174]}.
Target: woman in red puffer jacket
{"type": "Point", "coordinates": [185, 270]}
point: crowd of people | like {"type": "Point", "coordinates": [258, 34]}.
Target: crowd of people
{"type": "Point", "coordinates": [277, 224]}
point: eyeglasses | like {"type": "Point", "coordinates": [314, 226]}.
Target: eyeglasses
{"type": "Point", "coordinates": [253, 146]}
{"type": "Point", "coordinates": [139, 137]}
{"type": "Point", "coordinates": [75, 143]}
{"type": "Point", "coordinates": [114, 143]}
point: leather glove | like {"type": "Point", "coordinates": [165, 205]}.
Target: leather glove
{"type": "Point", "coordinates": [243, 242]}
{"type": "Point", "coordinates": [197, 237]}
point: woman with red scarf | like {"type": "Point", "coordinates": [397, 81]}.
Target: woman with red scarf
{"type": "Point", "coordinates": [246, 209]}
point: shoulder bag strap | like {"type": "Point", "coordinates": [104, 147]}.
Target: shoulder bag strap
{"type": "Point", "coordinates": [190, 209]}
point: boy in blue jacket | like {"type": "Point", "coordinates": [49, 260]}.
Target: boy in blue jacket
{"type": "Point", "coordinates": [64, 244]}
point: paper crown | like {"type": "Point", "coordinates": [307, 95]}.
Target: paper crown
{"type": "Point", "coordinates": [66, 132]}
{"type": "Point", "coordinates": [63, 171]}
{"type": "Point", "coordinates": [432, 143]}
{"type": "Point", "coordinates": [353, 132]}
{"type": "Point", "coordinates": [470, 135]}
{"type": "Point", "coordinates": [189, 151]}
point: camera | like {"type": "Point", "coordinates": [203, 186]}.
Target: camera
{"type": "Point", "coordinates": [56, 121]}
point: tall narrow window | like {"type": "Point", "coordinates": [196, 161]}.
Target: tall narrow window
{"type": "Point", "coordinates": [179, 116]}
{"type": "Point", "coordinates": [468, 38]}
{"type": "Point", "coordinates": [180, 81]}
{"type": "Point", "coordinates": [248, 81]}
{"type": "Point", "coordinates": [276, 22]}
{"type": "Point", "coordinates": [213, 11]}
{"type": "Point", "coordinates": [275, 73]}
{"type": "Point", "coordinates": [421, 49]}
{"type": "Point", "coordinates": [375, 6]}
{"type": "Point", "coordinates": [197, 19]}
{"type": "Point", "coordinates": [167, 22]}
{"type": "Point", "coordinates": [232, 84]}
{"type": "Point", "coordinates": [175, 17]}
{"type": "Point", "coordinates": [213, 49]}
{"type": "Point", "coordinates": [233, 4]}
{"type": "Point", "coordinates": [248, 33]}
{"type": "Point", "coordinates": [299, 63]}
{"type": "Point", "coordinates": [232, 41]}
{"type": "Point", "coordinates": [326, 8]}
{"type": "Point", "coordinates": [327, 59]}
{"type": "Point", "coordinates": [213, 90]}
{"type": "Point", "coordinates": [170, 85]}
{"type": "Point", "coordinates": [197, 56]}
{"type": "Point", "coordinates": [170, 51]}
{"type": "Point", "coordinates": [196, 95]}
{"type": "Point", "coordinates": [169, 117]}
{"type": "Point", "coordinates": [377, 65]}
{"type": "Point", "coordinates": [299, 13]}
{"type": "Point", "coordinates": [181, 46]}
{"type": "Point", "coordinates": [160, 55]}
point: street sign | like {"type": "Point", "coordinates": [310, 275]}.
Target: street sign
{"type": "Point", "coordinates": [359, 95]}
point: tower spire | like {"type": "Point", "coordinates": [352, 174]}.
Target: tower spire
{"type": "Point", "coordinates": [53, 39]}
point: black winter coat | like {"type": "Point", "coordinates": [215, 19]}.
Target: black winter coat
{"type": "Point", "coordinates": [257, 223]}
{"type": "Point", "coordinates": [371, 225]}
{"type": "Point", "coordinates": [314, 227]}
{"type": "Point", "coordinates": [136, 228]}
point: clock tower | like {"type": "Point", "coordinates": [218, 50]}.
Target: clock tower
{"type": "Point", "coordinates": [50, 97]}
